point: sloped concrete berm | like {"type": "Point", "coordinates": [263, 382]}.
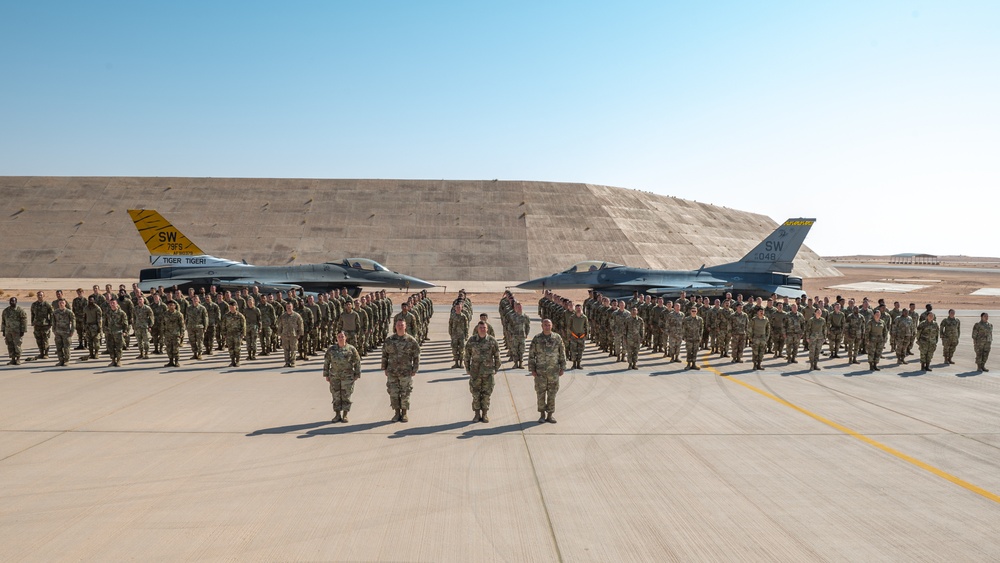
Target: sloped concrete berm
{"type": "Point", "coordinates": [433, 229]}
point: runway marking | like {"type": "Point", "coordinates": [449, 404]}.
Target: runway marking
{"type": "Point", "coordinates": [891, 451]}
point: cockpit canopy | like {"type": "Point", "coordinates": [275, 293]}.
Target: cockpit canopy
{"type": "Point", "coordinates": [591, 266]}
{"type": "Point", "coordinates": [363, 264]}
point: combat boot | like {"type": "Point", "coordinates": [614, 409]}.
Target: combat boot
{"type": "Point", "coordinates": [694, 365]}
{"type": "Point", "coordinates": [402, 416]}
{"type": "Point", "coordinates": [395, 417]}
{"type": "Point", "coordinates": [337, 417]}
{"type": "Point", "coordinates": [484, 418]}
{"type": "Point", "coordinates": [541, 415]}
{"type": "Point", "coordinates": [344, 418]}
{"type": "Point", "coordinates": [550, 418]}
{"type": "Point", "coordinates": [476, 416]}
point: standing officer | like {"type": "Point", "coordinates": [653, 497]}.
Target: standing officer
{"type": "Point", "coordinates": [289, 327]}
{"type": "Point", "coordinates": [482, 361]}
{"type": "Point", "coordinates": [739, 324]}
{"type": "Point", "coordinates": [63, 325]}
{"type": "Point", "coordinates": [400, 362]}
{"type": "Point", "coordinates": [693, 326]}
{"type": "Point", "coordinates": [143, 322]}
{"type": "Point", "coordinates": [172, 333]}
{"type": "Point", "coordinates": [253, 316]}
{"type": "Point", "coordinates": [837, 322]}
{"type": "Point", "coordinates": [234, 326]}
{"type": "Point", "coordinates": [79, 304]}
{"type": "Point", "coordinates": [579, 326]}
{"type": "Point", "coordinates": [815, 332]}
{"type": "Point", "coordinates": [14, 325]}
{"type": "Point", "coordinates": [760, 333]}
{"type": "Point", "coordinates": [546, 362]}
{"type": "Point", "coordinates": [196, 319]}
{"type": "Point", "coordinates": [116, 325]}
{"type": "Point", "coordinates": [458, 330]}
{"type": "Point", "coordinates": [951, 329]}
{"type": "Point", "coordinates": [41, 321]}
{"type": "Point", "coordinates": [795, 324]}
{"type": "Point", "coordinates": [927, 337]}
{"type": "Point", "coordinates": [982, 339]}
{"type": "Point", "coordinates": [634, 332]}
{"type": "Point", "coordinates": [93, 319]}
{"type": "Point", "coordinates": [875, 339]}
{"type": "Point", "coordinates": [902, 330]}
{"type": "Point", "coordinates": [341, 368]}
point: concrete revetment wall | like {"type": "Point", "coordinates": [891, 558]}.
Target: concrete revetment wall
{"type": "Point", "coordinates": [433, 229]}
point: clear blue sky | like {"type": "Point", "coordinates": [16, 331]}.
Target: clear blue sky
{"type": "Point", "coordinates": [880, 118]}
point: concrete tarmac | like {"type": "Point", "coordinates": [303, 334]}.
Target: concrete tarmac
{"type": "Point", "coordinates": [206, 462]}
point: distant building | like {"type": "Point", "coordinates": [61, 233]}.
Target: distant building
{"type": "Point", "coordinates": [914, 259]}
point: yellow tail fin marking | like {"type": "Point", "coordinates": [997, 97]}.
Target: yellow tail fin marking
{"type": "Point", "coordinates": [160, 236]}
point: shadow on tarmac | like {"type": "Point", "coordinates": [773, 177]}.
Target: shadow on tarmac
{"type": "Point", "coordinates": [494, 430]}
{"type": "Point", "coordinates": [425, 430]}
{"type": "Point", "coordinates": [338, 429]}
{"type": "Point", "coordinates": [288, 429]}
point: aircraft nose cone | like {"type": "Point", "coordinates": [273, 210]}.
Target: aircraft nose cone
{"type": "Point", "coordinates": [417, 283]}
{"type": "Point", "coordinates": [537, 283]}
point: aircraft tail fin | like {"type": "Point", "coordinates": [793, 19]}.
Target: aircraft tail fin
{"type": "Point", "coordinates": [161, 238]}
{"type": "Point", "coordinates": [776, 252]}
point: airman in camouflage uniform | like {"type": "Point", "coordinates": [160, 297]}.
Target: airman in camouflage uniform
{"type": "Point", "coordinates": [520, 327]}
{"type": "Point", "coordinates": [63, 325]}
{"type": "Point", "coordinates": [837, 324]}
{"type": "Point", "coordinates": [79, 304]}
{"type": "Point", "coordinates": [853, 334]}
{"type": "Point", "coordinates": [816, 332]}
{"type": "Point", "coordinates": [116, 325]}
{"type": "Point", "coordinates": [777, 320]}
{"type": "Point", "coordinates": [341, 368]}
{"type": "Point", "coordinates": [458, 330]}
{"type": "Point", "coordinates": [400, 362]}
{"type": "Point", "coordinates": [982, 340]}
{"type": "Point", "coordinates": [289, 327]}
{"type": "Point", "coordinates": [93, 318]}
{"type": "Point", "coordinates": [14, 325]}
{"type": "Point", "coordinates": [951, 329]}
{"type": "Point", "coordinates": [482, 361]}
{"type": "Point", "coordinates": [546, 362]}
{"type": "Point", "coordinates": [694, 326]}
{"type": "Point", "coordinates": [578, 328]}
{"type": "Point", "coordinates": [214, 316]}
{"type": "Point", "coordinates": [635, 330]}
{"type": "Point", "coordinates": [254, 318]}
{"type": "Point", "coordinates": [902, 330]}
{"type": "Point", "coordinates": [875, 333]}
{"type": "Point", "coordinates": [143, 322]}
{"type": "Point", "coordinates": [172, 332]}
{"type": "Point", "coordinates": [675, 332]}
{"type": "Point", "coordinates": [739, 325]}
{"type": "Point", "coordinates": [760, 334]}
{"type": "Point", "coordinates": [159, 312]}
{"type": "Point", "coordinates": [927, 337]}
{"type": "Point", "coordinates": [196, 319]}
{"type": "Point", "coordinates": [41, 322]}
{"type": "Point", "coordinates": [795, 324]}
{"type": "Point", "coordinates": [234, 326]}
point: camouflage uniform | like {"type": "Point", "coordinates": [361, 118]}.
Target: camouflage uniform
{"type": "Point", "coordinates": [635, 330]}
{"type": "Point", "coordinates": [578, 327]}
{"type": "Point", "coordinates": [172, 333]}
{"type": "Point", "coordinates": [982, 340]}
{"type": "Point", "coordinates": [14, 325]}
{"type": "Point", "coordinates": [212, 309]}
{"type": "Point", "coordinates": [816, 333]}
{"type": "Point", "coordinates": [41, 322]}
{"type": "Point", "coordinates": [400, 361]}
{"type": "Point", "coordinates": [196, 319]}
{"type": "Point", "coordinates": [234, 326]}
{"type": "Point", "coordinates": [252, 316]}
{"type": "Point", "coordinates": [777, 319]}
{"type": "Point", "coordinates": [927, 337]}
{"type": "Point", "coordinates": [951, 330]}
{"type": "Point", "coordinates": [693, 330]}
{"type": "Point", "coordinates": [116, 325]}
{"type": "Point", "coordinates": [79, 304]}
{"type": "Point", "coordinates": [546, 362]}
{"type": "Point", "coordinates": [482, 361]}
{"type": "Point", "coordinates": [618, 319]}
{"type": "Point", "coordinates": [520, 326]}
{"type": "Point", "coordinates": [159, 311]}
{"type": "Point", "coordinates": [759, 331]}
{"type": "Point", "coordinates": [875, 332]}
{"type": "Point", "coordinates": [675, 335]}
{"type": "Point", "coordinates": [902, 330]}
{"type": "Point", "coordinates": [93, 319]}
{"type": "Point", "coordinates": [289, 326]}
{"type": "Point", "coordinates": [342, 367]}
{"type": "Point", "coordinates": [63, 325]}
{"type": "Point", "coordinates": [143, 322]}
{"type": "Point", "coordinates": [458, 330]}
{"type": "Point", "coordinates": [837, 322]}
{"type": "Point", "coordinates": [739, 324]}
{"type": "Point", "coordinates": [853, 333]}
{"type": "Point", "coordinates": [795, 324]}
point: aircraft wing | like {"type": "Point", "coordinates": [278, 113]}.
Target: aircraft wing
{"type": "Point", "coordinates": [695, 288]}
{"type": "Point", "coordinates": [263, 285]}
{"type": "Point", "coordinates": [783, 290]}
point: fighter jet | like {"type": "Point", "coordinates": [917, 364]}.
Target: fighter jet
{"type": "Point", "coordinates": [179, 262]}
{"type": "Point", "coordinates": [762, 272]}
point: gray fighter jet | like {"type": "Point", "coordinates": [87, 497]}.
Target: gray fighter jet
{"type": "Point", "coordinates": [762, 272]}
{"type": "Point", "coordinates": [179, 262]}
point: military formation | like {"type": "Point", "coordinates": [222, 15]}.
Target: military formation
{"type": "Point", "coordinates": [248, 325]}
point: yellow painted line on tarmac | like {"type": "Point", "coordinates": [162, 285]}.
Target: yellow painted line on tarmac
{"type": "Point", "coordinates": [896, 453]}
